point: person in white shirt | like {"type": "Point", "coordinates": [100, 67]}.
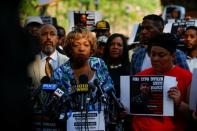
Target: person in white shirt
{"type": "Point", "coordinates": [190, 41]}
{"type": "Point", "coordinates": [48, 40]}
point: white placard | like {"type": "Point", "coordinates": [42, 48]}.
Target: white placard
{"type": "Point", "coordinates": [94, 121]}
{"type": "Point", "coordinates": [168, 109]}
{"type": "Point", "coordinates": [125, 91]}
{"type": "Point", "coordinates": [92, 18]}
{"type": "Point", "coordinates": [168, 104]}
{"type": "Point", "coordinates": [134, 35]}
{"type": "Point", "coordinates": [193, 91]}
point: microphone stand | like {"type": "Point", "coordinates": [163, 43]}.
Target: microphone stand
{"type": "Point", "coordinates": [86, 113]}
{"type": "Point", "coordinates": [42, 112]}
{"type": "Point", "coordinates": [81, 110]}
{"type": "Point", "coordinates": [84, 108]}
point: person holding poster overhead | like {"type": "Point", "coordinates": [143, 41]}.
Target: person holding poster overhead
{"type": "Point", "coordinates": [162, 55]}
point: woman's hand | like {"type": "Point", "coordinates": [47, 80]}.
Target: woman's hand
{"type": "Point", "coordinates": [175, 94]}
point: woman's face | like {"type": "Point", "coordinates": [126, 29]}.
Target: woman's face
{"type": "Point", "coordinates": [81, 50]}
{"type": "Point", "coordinates": [116, 48]}
{"type": "Point", "coordinates": [161, 59]}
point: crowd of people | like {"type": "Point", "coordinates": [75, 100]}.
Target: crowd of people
{"type": "Point", "coordinates": [100, 57]}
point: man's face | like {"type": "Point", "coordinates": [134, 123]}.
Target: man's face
{"type": "Point", "coordinates": [33, 28]}
{"type": "Point", "coordinates": [83, 18]}
{"type": "Point", "coordinates": [102, 33]}
{"type": "Point", "coordinates": [100, 50]}
{"type": "Point", "coordinates": [48, 39]}
{"type": "Point", "coordinates": [190, 38]}
{"type": "Point", "coordinates": [145, 89]}
{"type": "Point", "coordinates": [148, 30]}
{"type": "Point", "coordinates": [175, 14]}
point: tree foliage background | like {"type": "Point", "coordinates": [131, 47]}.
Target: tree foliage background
{"type": "Point", "coordinates": [121, 14]}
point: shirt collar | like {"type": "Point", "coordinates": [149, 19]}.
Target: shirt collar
{"type": "Point", "coordinates": [188, 57]}
{"type": "Point", "coordinates": [53, 56]}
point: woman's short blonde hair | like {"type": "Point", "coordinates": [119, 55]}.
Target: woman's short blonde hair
{"type": "Point", "coordinates": [77, 34]}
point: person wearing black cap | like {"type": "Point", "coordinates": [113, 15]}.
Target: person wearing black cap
{"type": "Point", "coordinates": [162, 55]}
{"type": "Point", "coordinates": [102, 28]}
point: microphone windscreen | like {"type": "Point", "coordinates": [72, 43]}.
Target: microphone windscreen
{"type": "Point", "coordinates": [83, 79]}
{"type": "Point", "coordinates": [45, 80]}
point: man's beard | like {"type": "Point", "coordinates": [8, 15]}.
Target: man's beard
{"type": "Point", "coordinates": [194, 47]}
{"type": "Point", "coordinates": [48, 50]}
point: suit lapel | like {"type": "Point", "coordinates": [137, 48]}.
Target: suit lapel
{"type": "Point", "coordinates": [36, 68]}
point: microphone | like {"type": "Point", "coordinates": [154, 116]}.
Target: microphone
{"type": "Point", "coordinates": [83, 84]}
{"type": "Point", "coordinates": [57, 94]}
{"type": "Point", "coordinates": [110, 91]}
{"type": "Point", "coordinates": [116, 100]}
{"type": "Point", "coordinates": [55, 104]}
{"type": "Point", "coordinates": [50, 91]}
{"type": "Point", "coordinates": [37, 91]}
{"type": "Point", "coordinates": [100, 91]}
{"type": "Point", "coordinates": [73, 88]}
{"type": "Point", "coordinates": [48, 87]}
{"type": "Point", "coordinates": [82, 88]}
{"type": "Point", "coordinates": [92, 96]}
{"type": "Point", "coordinates": [92, 87]}
{"type": "Point", "coordinates": [45, 79]}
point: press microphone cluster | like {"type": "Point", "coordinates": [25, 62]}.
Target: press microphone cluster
{"type": "Point", "coordinates": [83, 89]}
{"type": "Point", "coordinates": [52, 97]}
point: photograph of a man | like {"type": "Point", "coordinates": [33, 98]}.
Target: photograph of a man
{"type": "Point", "coordinates": [80, 20]}
{"type": "Point", "coordinates": [145, 89]}
{"type": "Point", "coordinates": [140, 96]}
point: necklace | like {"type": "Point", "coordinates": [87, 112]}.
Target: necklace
{"type": "Point", "coordinates": [115, 66]}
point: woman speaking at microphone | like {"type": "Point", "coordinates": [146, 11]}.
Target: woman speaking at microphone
{"type": "Point", "coordinates": [80, 46]}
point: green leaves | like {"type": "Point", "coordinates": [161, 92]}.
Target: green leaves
{"type": "Point", "coordinates": [121, 14]}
